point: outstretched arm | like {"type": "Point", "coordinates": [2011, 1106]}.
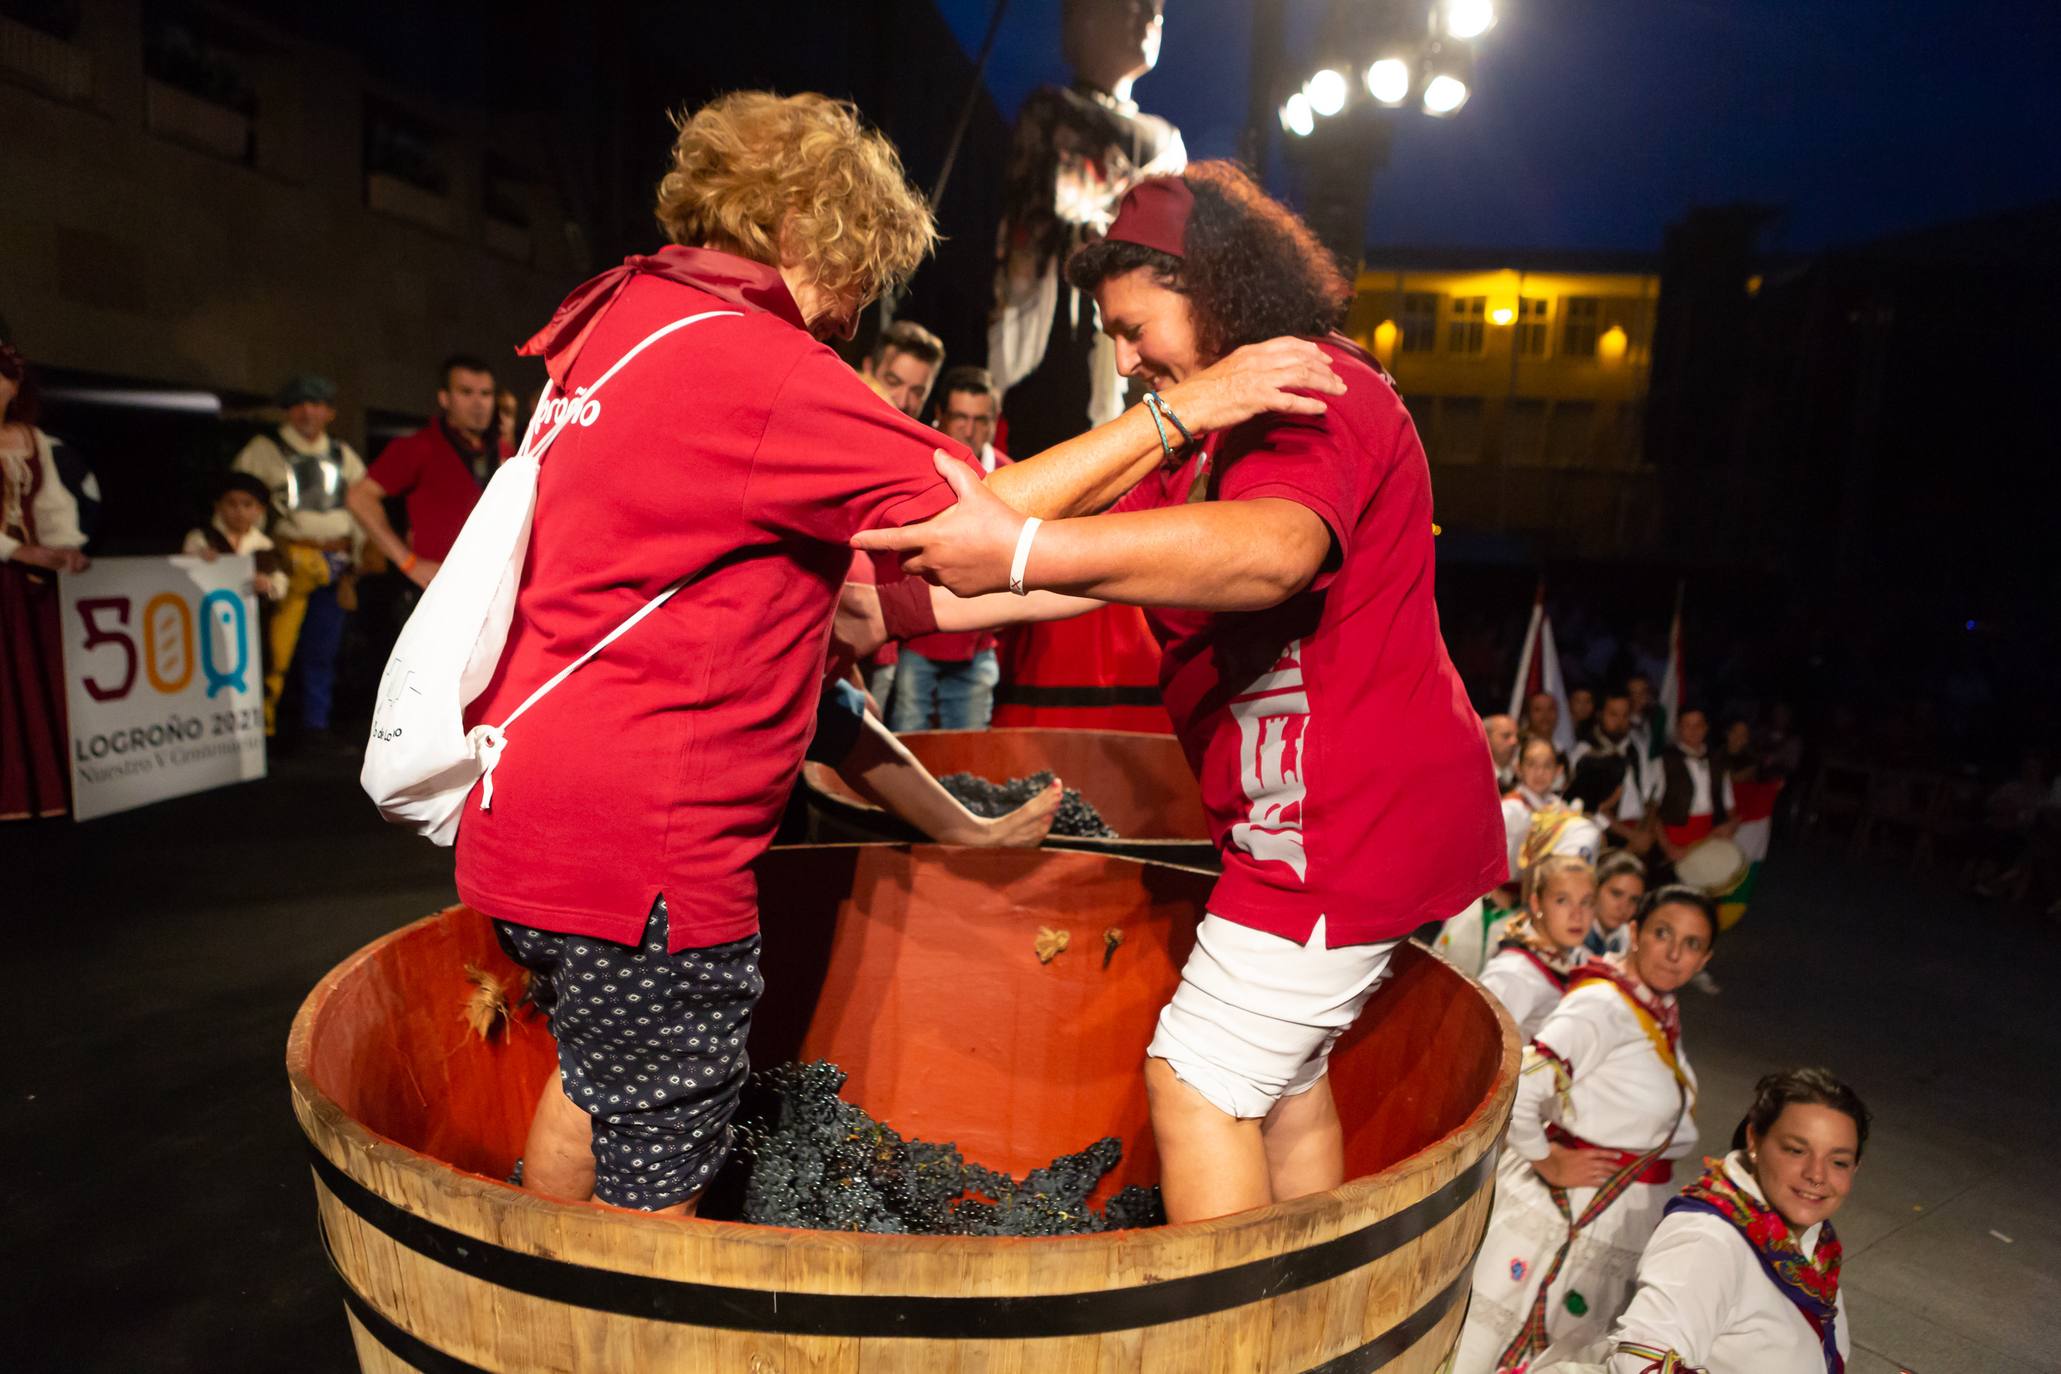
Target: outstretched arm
{"type": "Point", "coordinates": [1212, 555]}
{"type": "Point", "coordinates": [1088, 473]}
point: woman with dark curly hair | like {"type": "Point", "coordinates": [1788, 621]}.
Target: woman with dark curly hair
{"type": "Point", "coordinates": [1286, 564]}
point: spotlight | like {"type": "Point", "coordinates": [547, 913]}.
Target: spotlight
{"type": "Point", "coordinates": [1444, 94]}
{"type": "Point", "coordinates": [1388, 80]}
{"type": "Point", "coordinates": [1469, 18]}
{"type": "Point", "coordinates": [1448, 77]}
{"type": "Point", "coordinates": [1326, 91]}
{"type": "Point", "coordinates": [1297, 117]}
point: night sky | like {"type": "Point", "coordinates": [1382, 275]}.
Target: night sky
{"type": "Point", "coordinates": [1596, 123]}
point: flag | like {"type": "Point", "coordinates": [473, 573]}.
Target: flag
{"type": "Point", "coordinates": [1538, 670]}
{"type": "Point", "coordinates": [1668, 708]}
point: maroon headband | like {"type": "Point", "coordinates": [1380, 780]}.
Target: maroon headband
{"type": "Point", "coordinates": [1154, 214]}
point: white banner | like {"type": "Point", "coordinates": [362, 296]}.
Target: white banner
{"type": "Point", "coordinates": [163, 680]}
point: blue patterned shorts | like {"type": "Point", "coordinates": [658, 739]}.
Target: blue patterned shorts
{"type": "Point", "coordinates": [651, 1044]}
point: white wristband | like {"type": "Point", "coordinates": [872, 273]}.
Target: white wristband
{"type": "Point", "coordinates": [1023, 546]}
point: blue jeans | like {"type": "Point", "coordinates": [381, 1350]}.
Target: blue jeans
{"type": "Point", "coordinates": [945, 696]}
{"type": "Point", "coordinates": [314, 657]}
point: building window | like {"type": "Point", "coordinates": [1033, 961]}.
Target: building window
{"type": "Point", "coordinates": [1531, 327]}
{"type": "Point", "coordinates": [1419, 322]}
{"type": "Point", "coordinates": [407, 168]}
{"type": "Point", "coordinates": [1578, 317]}
{"type": "Point", "coordinates": [1464, 333]}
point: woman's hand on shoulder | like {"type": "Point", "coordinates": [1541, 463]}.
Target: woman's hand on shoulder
{"type": "Point", "coordinates": [1258, 379]}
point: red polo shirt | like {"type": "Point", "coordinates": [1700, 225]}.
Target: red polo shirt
{"type": "Point", "coordinates": [743, 453]}
{"type": "Point", "coordinates": [438, 481]}
{"type": "Point", "coordinates": [1341, 764]}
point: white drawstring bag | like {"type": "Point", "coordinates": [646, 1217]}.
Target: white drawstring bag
{"type": "Point", "coordinates": [421, 762]}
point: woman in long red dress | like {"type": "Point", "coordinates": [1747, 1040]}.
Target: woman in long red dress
{"type": "Point", "coordinates": [39, 538]}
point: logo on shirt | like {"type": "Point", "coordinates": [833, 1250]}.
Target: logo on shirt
{"type": "Point", "coordinates": [575, 409]}
{"type": "Point", "coordinates": [1273, 715]}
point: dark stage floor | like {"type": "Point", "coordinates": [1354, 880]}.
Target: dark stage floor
{"type": "Point", "coordinates": [165, 1217]}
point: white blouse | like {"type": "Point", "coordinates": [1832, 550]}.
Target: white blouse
{"type": "Point", "coordinates": [55, 512]}
{"type": "Point", "coordinates": [1621, 1096]}
{"type": "Point", "coordinates": [1524, 989]}
{"type": "Point", "coordinates": [1703, 1294]}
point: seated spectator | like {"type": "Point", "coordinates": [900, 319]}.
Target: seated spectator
{"type": "Point", "coordinates": [948, 680]}
{"type": "Point", "coordinates": [1541, 716]}
{"type": "Point", "coordinates": [902, 365]}
{"type": "Point", "coordinates": [1739, 758]}
{"type": "Point", "coordinates": [1581, 710]}
{"type": "Point", "coordinates": [1611, 736]}
{"type": "Point", "coordinates": [1743, 1271]}
{"type": "Point", "coordinates": [1620, 886]}
{"type": "Point", "coordinates": [1691, 794]}
{"type": "Point", "coordinates": [1501, 731]}
{"type": "Point", "coordinates": [441, 468]}
{"type": "Point", "coordinates": [1529, 971]}
{"type": "Point", "coordinates": [237, 527]}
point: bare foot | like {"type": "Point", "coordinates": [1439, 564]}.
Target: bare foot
{"type": "Point", "coordinates": [1026, 826]}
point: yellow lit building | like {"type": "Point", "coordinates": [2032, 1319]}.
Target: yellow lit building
{"type": "Point", "coordinates": [1526, 374]}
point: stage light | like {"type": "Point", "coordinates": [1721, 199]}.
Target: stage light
{"type": "Point", "coordinates": [1388, 80]}
{"type": "Point", "coordinates": [1297, 117]}
{"type": "Point", "coordinates": [1469, 18]}
{"type": "Point", "coordinates": [1326, 91]}
{"type": "Point", "coordinates": [1444, 94]}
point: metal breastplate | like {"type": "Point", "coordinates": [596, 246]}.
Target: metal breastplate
{"type": "Point", "coordinates": [314, 482]}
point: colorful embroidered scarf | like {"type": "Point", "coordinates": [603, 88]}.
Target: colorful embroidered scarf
{"type": "Point", "coordinates": [1812, 1282]}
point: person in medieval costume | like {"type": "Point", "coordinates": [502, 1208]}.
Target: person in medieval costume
{"type": "Point", "coordinates": [1742, 1274]}
{"type": "Point", "coordinates": [1543, 947]}
{"type": "Point", "coordinates": [1605, 1105]}
{"type": "Point", "coordinates": [39, 539]}
{"type": "Point", "coordinates": [308, 471]}
{"type": "Point", "coordinates": [1077, 150]}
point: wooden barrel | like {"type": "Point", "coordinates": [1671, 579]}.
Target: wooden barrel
{"type": "Point", "coordinates": [1141, 784]}
{"type": "Point", "coordinates": [915, 970]}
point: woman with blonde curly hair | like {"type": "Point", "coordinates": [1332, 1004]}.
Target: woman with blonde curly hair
{"type": "Point", "coordinates": [730, 451]}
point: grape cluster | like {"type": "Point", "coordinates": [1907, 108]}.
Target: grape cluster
{"type": "Point", "coordinates": [1076, 818]}
{"type": "Point", "coordinates": [822, 1164]}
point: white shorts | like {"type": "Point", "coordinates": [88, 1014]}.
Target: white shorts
{"type": "Point", "coordinates": [1256, 1015]}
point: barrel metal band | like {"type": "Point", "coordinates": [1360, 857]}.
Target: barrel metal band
{"type": "Point", "coordinates": [900, 1315]}
{"type": "Point", "coordinates": [1366, 1359]}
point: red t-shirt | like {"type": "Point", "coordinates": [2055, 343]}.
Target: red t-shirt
{"type": "Point", "coordinates": [1341, 764]}
{"type": "Point", "coordinates": [438, 481]}
{"type": "Point", "coordinates": [744, 453]}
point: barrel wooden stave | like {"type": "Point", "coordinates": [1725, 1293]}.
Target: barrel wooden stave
{"type": "Point", "coordinates": [486, 1325]}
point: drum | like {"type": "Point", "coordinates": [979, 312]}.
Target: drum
{"type": "Point", "coordinates": [1715, 865]}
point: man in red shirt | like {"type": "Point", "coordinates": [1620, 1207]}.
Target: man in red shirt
{"type": "Point", "coordinates": [1287, 568]}
{"type": "Point", "coordinates": [441, 468]}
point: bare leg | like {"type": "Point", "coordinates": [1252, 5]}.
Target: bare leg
{"type": "Point", "coordinates": [558, 1159]}
{"type": "Point", "coordinates": [1305, 1143]}
{"type": "Point", "coordinates": [1211, 1163]}
{"type": "Point", "coordinates": [882, 769]}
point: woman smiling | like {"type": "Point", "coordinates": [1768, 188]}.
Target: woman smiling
{"type": "Point", "coordinates": [1743, 1272]}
